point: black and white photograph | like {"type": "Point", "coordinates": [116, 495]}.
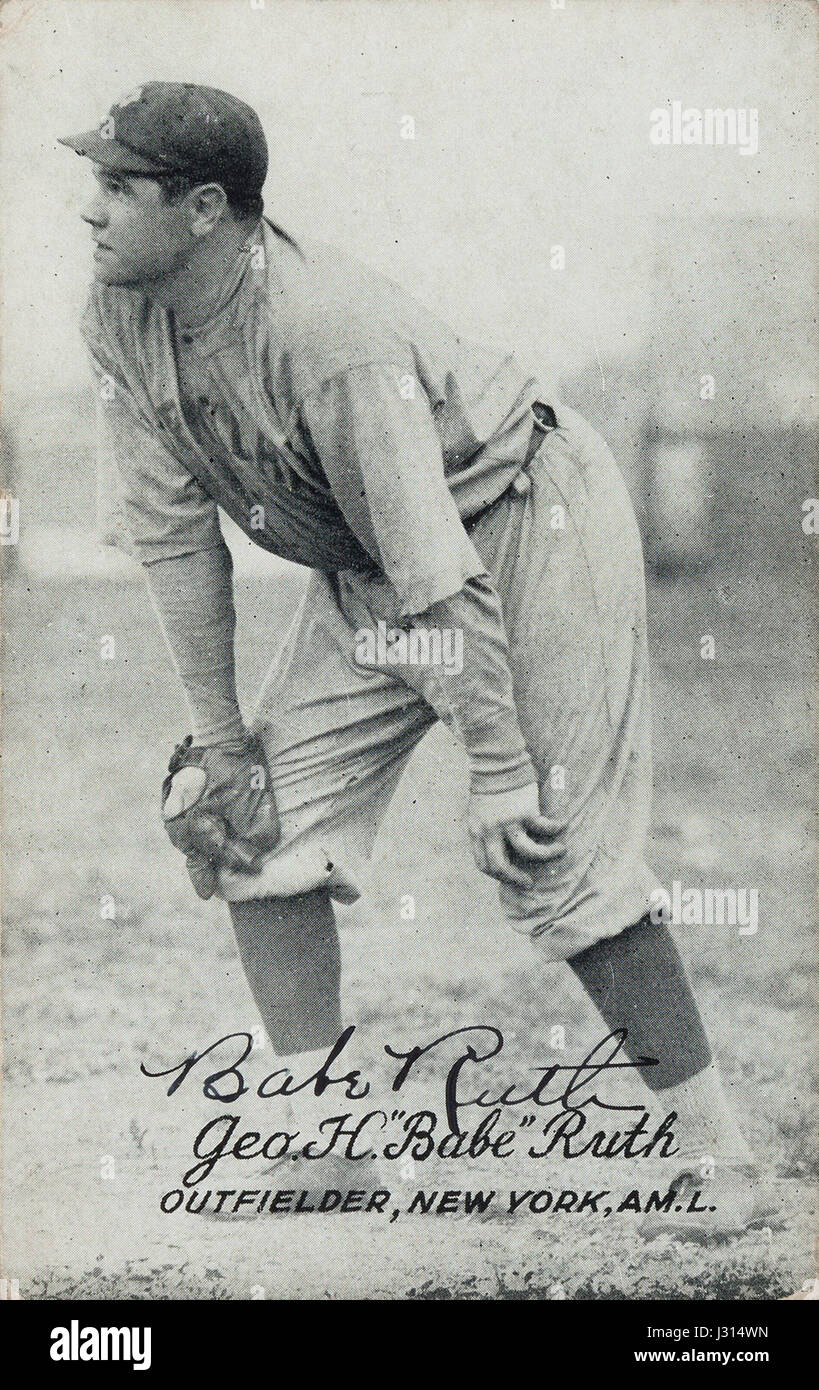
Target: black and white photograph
{"type": "Point", "coordinates": [409, 672]}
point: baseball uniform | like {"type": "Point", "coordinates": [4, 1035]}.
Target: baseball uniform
{"type": "Point", "coordinates": [345, 427]}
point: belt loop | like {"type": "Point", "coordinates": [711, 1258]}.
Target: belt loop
{"type": "Point", "coordinates": [545, 418]}
{"type": "Point", "coordinates": [544, 421]}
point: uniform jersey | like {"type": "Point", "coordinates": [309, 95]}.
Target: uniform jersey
{"type": "Point", "coordinates": [321, 406]}
{"type": "Point", "coordinates": [345, 427]}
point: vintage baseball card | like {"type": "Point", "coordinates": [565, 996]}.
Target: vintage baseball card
{"type": "Point", "coordinates": [409, 530]}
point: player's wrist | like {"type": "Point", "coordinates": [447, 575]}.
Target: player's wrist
{"type": "Point", "coordinates": [230, 736]}
{"type": "Point", "coordinates": [499, 760]}
{"type": "Point", "coordinates": [495, 780]}
{"type": "Point", "coordinates": [235, 746]}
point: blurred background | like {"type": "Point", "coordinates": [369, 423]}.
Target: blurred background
{"type": "Point", "coordinates": [531, 132]}
{"type": "Point", "coordinates": [682, 323]}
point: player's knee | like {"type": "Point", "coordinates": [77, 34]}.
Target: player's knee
{"type": "Point", "coordinates": [287, 873]}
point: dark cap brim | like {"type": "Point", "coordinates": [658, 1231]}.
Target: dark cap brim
{"type": "Point", "coordinates": [111, 154]}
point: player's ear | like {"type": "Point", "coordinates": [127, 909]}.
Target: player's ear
{"type": "Point", "coordinates": [207, 202]}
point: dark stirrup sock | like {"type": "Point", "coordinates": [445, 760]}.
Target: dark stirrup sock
{"type": "Point", "coordinates": [638, 982]}
{"type": "Point", "coordinates": [290, 952]}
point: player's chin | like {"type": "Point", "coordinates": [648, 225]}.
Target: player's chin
{"type": "Point", "coordinates": [109, 270]}
{"type": "Point", "coordinates": [108, 275]}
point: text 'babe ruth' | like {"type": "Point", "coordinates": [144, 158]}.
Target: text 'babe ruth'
{"type": "Point", "coordinates": [419, 476]}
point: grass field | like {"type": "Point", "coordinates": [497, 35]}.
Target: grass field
{"type": "Point", "coordinates": [87, 998]}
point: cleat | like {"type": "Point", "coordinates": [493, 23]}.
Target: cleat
{"type": "Point", "coordinates": [735, 1200]}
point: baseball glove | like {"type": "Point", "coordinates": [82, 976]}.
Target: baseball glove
{"type": "Point", "coordinates": [229, 817]}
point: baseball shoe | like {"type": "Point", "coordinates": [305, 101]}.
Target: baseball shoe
{"type": "Point", "coordinates": [736, 1199]}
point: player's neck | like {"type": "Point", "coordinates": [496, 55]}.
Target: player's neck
{"type": "Point", "coordinates": [194, 290]}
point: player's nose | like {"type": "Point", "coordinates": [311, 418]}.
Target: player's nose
{"type": "Point", "coordinates": [94, 213]}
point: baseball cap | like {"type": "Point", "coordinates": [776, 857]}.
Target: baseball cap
{"type": "Point", "coordinates": [182, 128]}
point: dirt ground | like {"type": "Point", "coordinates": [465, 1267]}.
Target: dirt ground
{"type": "Point", "coordinates": [91, 1144]}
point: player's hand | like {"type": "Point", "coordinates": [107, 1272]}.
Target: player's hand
{"type": "Point", "coordinates": [218, 809]}
{"type": "Point", "coordinates": [507, 833]}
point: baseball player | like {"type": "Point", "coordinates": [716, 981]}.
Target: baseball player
{"type": "Point", "coordinates": [431, 487]}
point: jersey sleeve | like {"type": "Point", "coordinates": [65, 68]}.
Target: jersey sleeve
{"type": "Point", "coordinates": [373, 431]}
{"type": "Point", "coordinates": [148, 503]}
{"type": "Point", "coordinates": [475, 696]}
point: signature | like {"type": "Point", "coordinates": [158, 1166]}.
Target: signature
{"type": "Point", "coordinates": [567, 1087]}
